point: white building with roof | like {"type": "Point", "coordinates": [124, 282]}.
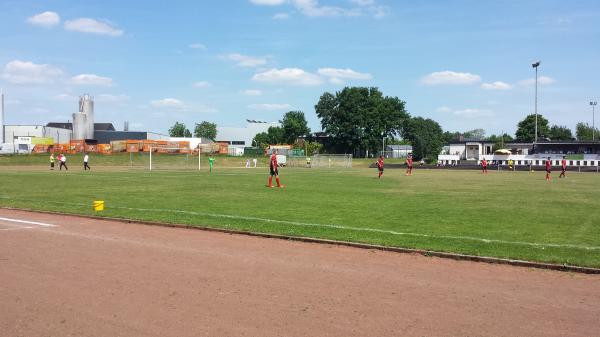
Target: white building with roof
{"type": "Point", "coordinates": [242, 136]}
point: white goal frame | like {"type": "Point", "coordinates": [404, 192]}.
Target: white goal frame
{"type": "Point", "coordinates": [326, 161]}
{"type": "Point", "coordinates": [174, 148]}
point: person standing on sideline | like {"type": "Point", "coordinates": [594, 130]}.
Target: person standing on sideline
{"type": "Point", "coordinates": [254, 162]}
{"type": "Point", "coordinates": [274, 170]}
{"type": "Point", "coordinates": [548, 169]}
{"type": "Point", "coordinates": [409, 164]}
{"type": "Point", "coordinates": [211, 161]}
{"type": "Point", "coordinates": [63, 162]}
{"type": "Point", "coordinates": [247, 162]}
{"type": "Point", "coordinates": [308, 162]}
{"type": "Point", "coordinates": [484, 166]}
{"type": "Point", "coordinates": [52, 160]}
{"type": "Point", "coordinates": [86, 159]}
{"type": "Point", "coordinates": [563, 166]}
{"type": "Point", "coordinates": [380, 166]}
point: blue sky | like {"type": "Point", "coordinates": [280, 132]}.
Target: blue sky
{"type": "Point", "coordinates": [466, 64]}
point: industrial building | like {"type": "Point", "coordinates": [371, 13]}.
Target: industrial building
{"type": "Point", "coordinates": [240, 137]}
{"type": "Point", "coordinates": [82, 128]}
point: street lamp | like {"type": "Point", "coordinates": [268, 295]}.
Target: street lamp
{"type": "Point", "coordinates": [535, 65]}
{"type": "Point", "coordinates": [593, 104]}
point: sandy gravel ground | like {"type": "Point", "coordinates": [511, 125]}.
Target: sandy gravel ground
{"type": "Point", "coordinates": [82, 277]}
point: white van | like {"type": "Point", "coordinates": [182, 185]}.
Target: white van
{"type": "Point", "coordinates": [11, 148]}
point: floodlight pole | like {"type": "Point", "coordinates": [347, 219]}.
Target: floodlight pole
{"type": "Point", "coordinates": [593, 104]}
{"type": "Point", "coordinates": [535, 65]}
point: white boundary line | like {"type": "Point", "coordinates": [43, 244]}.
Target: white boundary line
{"type": "Point", "coordinates": [41, 224]}
{"type": "Point", "coordinates": [333, 226]}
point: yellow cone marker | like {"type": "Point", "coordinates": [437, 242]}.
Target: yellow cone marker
{"type": "Point", "coordinates": [98, 205]}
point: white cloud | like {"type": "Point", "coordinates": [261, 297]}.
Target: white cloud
{"type": "Point", "coordinates": [268, 2]}
{"type": "Point", "coordinates": [65, 97]}
{"type": "Point", "coordinates": [542, 80]}
{"type": "Point", "coordinates": [174, 104]}
{"type": "Point", "coordinates": [91, 79]}
{"type": "Point", "coordinates": [281, 16]}
{"type": "Point", "coordinates": [363, 2]}
{"type": "Point", "coordinates": [498, 85]}
{"type": "Point", "coordinates": [473, 113]}
{"type": "Point", "coordinates": [107, 98]}
{"type": "Point", "coordinates": [246, 61]}
{"type": "Point", "coordinates": [24, 72]}
{"type": "Point", "coordinates": [252, 92]}
{"type": "Point", "coordinates": [168, 103]}
{"type": "Point", "coordinates": [201, 84]}
{"type": "Point", "coordinates": [87, 25]}
{"type": "Point", "coordinates": [450, 78]}
{"type": "Point", "coordinates": [45, 19]}
{"type": "Point", "coordinates": [197, 46]}
{"type": "Point", "coordinates": [337, 76]}
{"type": "Point", "coordinates": [313, 8]}
{"type": "Point", "coordinates": [443, 109]}
{"type": "Point", "coordinates": [291, 76]}
{"type": "Point", "coordinates": [270, 106]}
{"type": "Point", "coordinates": [205, 109]}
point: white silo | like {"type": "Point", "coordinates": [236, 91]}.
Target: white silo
{"type": "Point", "coordinates": [83, 121]}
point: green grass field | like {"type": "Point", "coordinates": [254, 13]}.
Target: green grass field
{"type": "Point", "coordinates": [509, 215]}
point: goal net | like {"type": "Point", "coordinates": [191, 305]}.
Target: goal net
{"type": "Point", "coordinates": [172, 158]}
{"type": "Point", "coordinates": [331, 161]}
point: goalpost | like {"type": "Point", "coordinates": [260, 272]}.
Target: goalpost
{"type": "Point", "coordinates": [331, 161]}
{"type": "Point", "coordinates": [173, 158]}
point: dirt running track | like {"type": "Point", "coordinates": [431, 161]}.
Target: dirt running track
{"type": "Point", "coordinates": [100, 278]}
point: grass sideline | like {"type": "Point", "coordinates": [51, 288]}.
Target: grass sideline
{"type": "Point", "coordinates": [141, 160]}
{"type": "Point", "coordinates": [507, 215]}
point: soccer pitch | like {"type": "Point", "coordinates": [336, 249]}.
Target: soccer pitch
{"type": "Point", "coordinates": [515, 215]}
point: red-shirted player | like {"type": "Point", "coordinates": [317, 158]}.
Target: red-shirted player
{"type": "Point", "coordinates": [409, 164]}
{"type": "Point", "coordinates": [548, 169]}
{"type": "Point", "coordinates": [484, 166]}
{"type": "Point", "coordinates": [274, 168]}
{"type": "Point", "coordinates": [380, 166]}
{"type": "Point", "coordinates": [563, 165]}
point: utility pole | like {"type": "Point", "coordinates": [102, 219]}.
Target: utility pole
{"type": "Point", "coordinates": [535, 65]}
{"type": "Point", "coordinates": [593, 104]}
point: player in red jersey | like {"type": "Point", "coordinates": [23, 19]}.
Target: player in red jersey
{"type": "Point", "coordinates": [409, 164]}
{"type": "Point", "coordinates": [548, 169]}
{"type": "Point", "coordinates": [274, 168]}
{"type": "Point", "coordinates": [484, 166]}
{"type": "Point", "coordinates": [563, 165]}
{"type": "Point", "coordinates": [380, 166]}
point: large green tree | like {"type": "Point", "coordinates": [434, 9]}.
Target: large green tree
{"type": "Point", "coordinates": [294, 125]}
{"type": "Point", "coordinates": [451, 136]}
{"type": "Point", "coordinates": [179, 130]}
{"type": "Point", "coordinates": [558, 132]}
{"type": "Point", "coordinates": [357, 118]}
{"type": "Point", "coordinates": [526, 128]}
{"type": "Point", "coordinates": [274, 135]}
{"type": "Point", "coordinates": [500, 140]}
{"type": "Point", "coordinates": [206, 130]}
{"type": "Point", "coordinates": [475, 134]}
{"type": "Point", "coordinates": [426, 137]}
{"type": "Point", "coordinates": [585, 131]}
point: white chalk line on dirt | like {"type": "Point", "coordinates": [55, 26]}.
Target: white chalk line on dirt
{"type": "Point", "coordinates": [41, 224]}
{"type": "Point", "coordinates": [333, 226]}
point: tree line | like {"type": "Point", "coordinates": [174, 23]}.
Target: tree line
{"type": "Point", "coordinates": [358, 120]}
{"type": "Point", "coordinates": [201, 130]}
